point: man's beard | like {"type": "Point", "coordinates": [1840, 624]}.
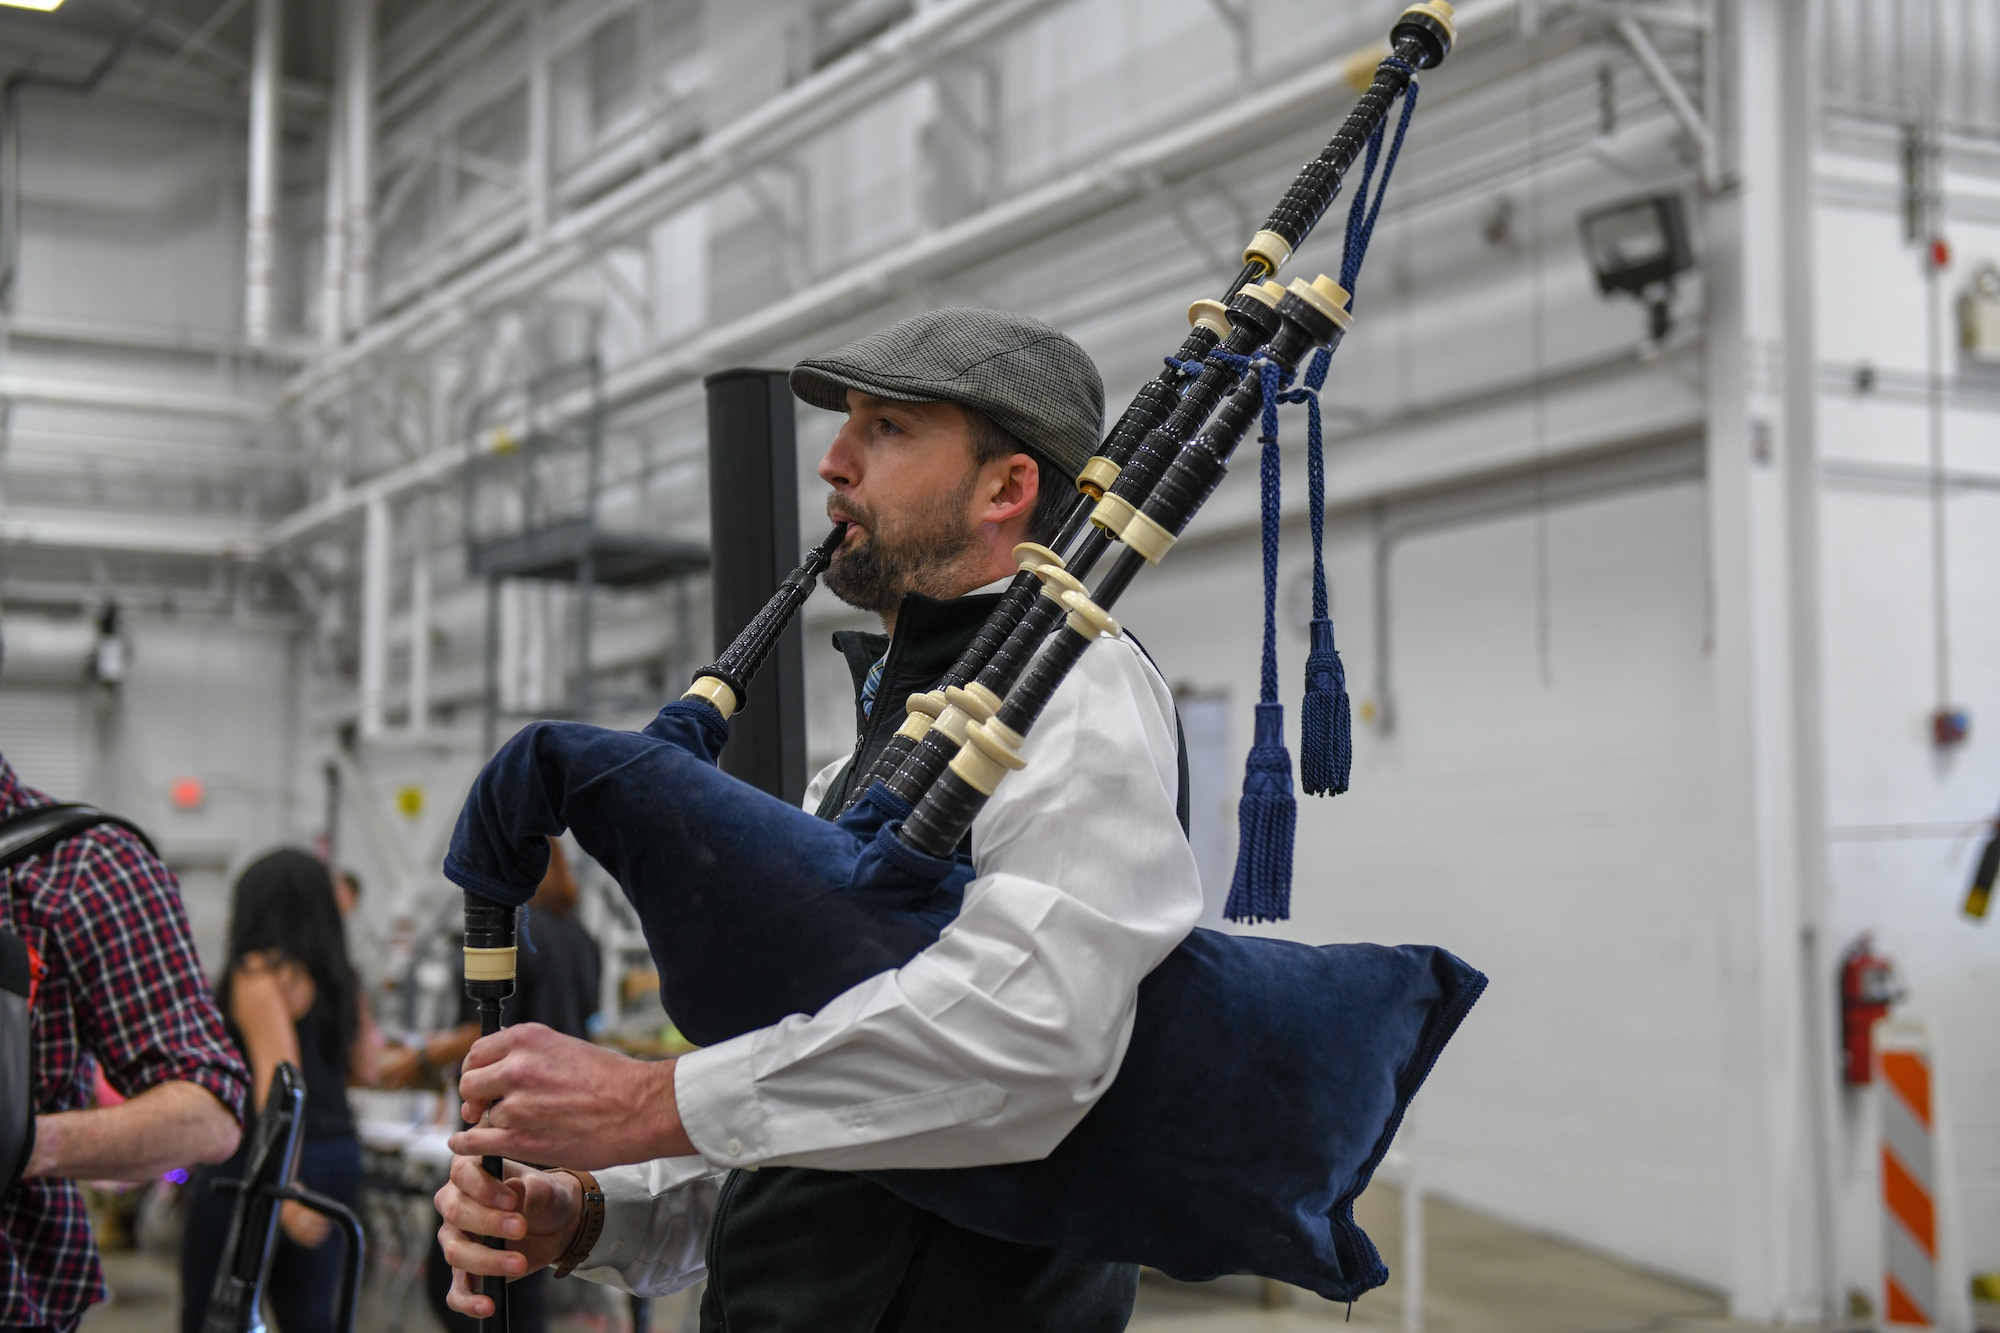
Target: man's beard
{"type": "Point", "coordinates": [917, 557]}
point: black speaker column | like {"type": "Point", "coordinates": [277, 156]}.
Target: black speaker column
{"type": "Point", "coordinates": [753, 522]}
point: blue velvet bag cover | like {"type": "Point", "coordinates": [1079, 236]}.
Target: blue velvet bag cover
{"type": "Point", "coordinates": [1263, 1082]}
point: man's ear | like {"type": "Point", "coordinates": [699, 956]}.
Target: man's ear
{"type": "Point", "coordinates": [1015, 483]}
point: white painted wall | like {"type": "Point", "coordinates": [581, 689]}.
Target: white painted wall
{"type": "Point", "coordinates": [130, 216]}
{"type": "Point", "coordinates": [1904, 818]}
{"type": "Point", "coordinates": [1581, 688]}
{"type": "Point", "coordinates": [1541, 818]}
{"type": "Point", "coordinates": [207, 698]}
{"type": "Point", "coordinates": [131, 247]}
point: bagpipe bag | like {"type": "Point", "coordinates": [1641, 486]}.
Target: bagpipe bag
{"type": "Point", "coordinates": [1263, 1082]}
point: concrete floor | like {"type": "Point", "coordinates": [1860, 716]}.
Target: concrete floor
{"type": "Point", "coordinates": [1485, 1277]}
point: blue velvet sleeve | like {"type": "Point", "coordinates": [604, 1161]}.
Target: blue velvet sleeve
{"type": "Point", "coordinates": [550, 776]}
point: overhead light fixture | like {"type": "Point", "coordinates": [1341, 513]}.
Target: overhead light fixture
{"type": "Point", "coordinates": [112, 654]}
{"type": "Point", "coordinates": [1639, 247]}
{"type": "Point", "coordinates": [41, 6]}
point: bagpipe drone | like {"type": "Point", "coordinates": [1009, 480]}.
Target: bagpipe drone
{"type": "Point", "coordinates": [1265, 1078]}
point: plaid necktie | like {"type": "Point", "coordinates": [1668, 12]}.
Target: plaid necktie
{"type": "Point", "coordinates": [872, 683]}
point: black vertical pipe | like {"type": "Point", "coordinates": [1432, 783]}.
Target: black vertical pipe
{"type": "Point", "coordinates": [489, 705]}
{"type": "Point", "coordinates": [753, 524]}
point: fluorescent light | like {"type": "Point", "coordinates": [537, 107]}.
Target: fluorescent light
{"type": "Point", "coordinates": [1638, 244]}
{"type": "Point", "coordinates": [44, 6]}
{"type": "Point", "coordinates": [1640, 247]}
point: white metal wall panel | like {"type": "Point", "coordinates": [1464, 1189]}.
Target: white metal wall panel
{"type": "Point", "coordinates": [1542, 817]}
{"type": "Point", "coordinates": [1895, 57]}
{"type": "Point", "coordinates": [45, 735]}
{"type": "Point", "coordinates": [1904, 817]}
{"type": "Point", "coordinates": [128, 218]}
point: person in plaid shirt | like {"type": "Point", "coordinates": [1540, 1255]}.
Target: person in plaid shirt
{"type": "Point", "coordinates": [123, 990]}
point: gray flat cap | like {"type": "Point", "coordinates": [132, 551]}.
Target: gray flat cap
{"type": "Point", "coordinates": [1036, 384]}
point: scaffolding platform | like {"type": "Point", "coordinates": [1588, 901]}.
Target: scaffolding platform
{"type": "Point", "coordinates": [578, 551]}
{"type": "Point", "coordinates": [533, 493]}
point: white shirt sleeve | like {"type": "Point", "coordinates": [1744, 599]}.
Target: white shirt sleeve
{"type": "Point", "coordinates": [656, 1215]}
{"type": "Point", "coordinates": [991, 1044]}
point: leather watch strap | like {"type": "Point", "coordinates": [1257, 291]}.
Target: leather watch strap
{"type": "Point", "coordinates": [589, 1222]}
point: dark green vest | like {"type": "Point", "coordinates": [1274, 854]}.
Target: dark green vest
{"type": "Point", "coordinates": [931, 635]}
{"type": "Point", "coordinates": [792, 1250]}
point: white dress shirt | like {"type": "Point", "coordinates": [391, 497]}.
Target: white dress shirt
{"type": "Point", "coordinates": [990, 1045]}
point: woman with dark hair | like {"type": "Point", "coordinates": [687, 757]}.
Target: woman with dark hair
{"type": "Point", "coordinates": [288, 993]}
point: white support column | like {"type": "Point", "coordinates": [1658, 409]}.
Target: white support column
{"type": "Point", "coordinates": [261, 243]}
{"type": "Point", "coordinates": [1760, 790]}
{"type": "Point", "coordinates": [539, 169]}
{"type": "Point", "coordinates": [420, 622]}
{"type": "Point", "coordinates": [358, 150]}
{"type": "Point", "coordinates": [333, 258]}
{"type": "Point", "coordinates": [534, 659]}
{"type": "Point", "coordinates": [507, 646]}
{"type": "Point", "coordinates": [375, 542]}
{"type": "Point", "coordinates": [1798, 93]}
{"type": "Point", "coordinates": [1413, 1248]}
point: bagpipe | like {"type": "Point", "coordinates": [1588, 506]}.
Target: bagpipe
{"type": "Point", "coordinates": [235, 1302]}
{"type": "Point", "coordinates": [1264, 1079]}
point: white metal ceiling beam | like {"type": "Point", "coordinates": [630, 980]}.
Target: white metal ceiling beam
{"type": "Point", "coordinates": [71, 453]}
{"type": "Point", "coordinates": [86, 332]}
{"type": "Point", "coordinates": [413, 48]}
{"type": "Point", "coordinates": [850, 84]}
{"type": "Point", "coordinates": [197, 41]}
{"type": "Point", "coordinates": [1674, 95]}
{"type": "Point", "coordinates": [59, 392]}
{"type": "Point", "coordinates": [138, 534]}
{"type": "Point", "coordinates": [1121, 179]}
{"type": "Point", "coordinates": [460, 85]}
{"type": "Point", "coordinates": [147, 76]}
{"type": "Point", "coordinates": [189, 37]}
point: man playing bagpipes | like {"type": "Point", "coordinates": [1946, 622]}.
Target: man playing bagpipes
{"type": "Point", "coordinates": [991, 1044]}
{"type": "Point", "coordinates": [980, 996]}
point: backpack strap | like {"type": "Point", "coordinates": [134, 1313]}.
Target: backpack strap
{"type": "Point", "coordinates": [17, 1107]}
{"type": "Point", "coordinates": [24, 837]}
{"type": "Point", "coordinates": [28, 835]}
{"type": "Point", "coordinates": [33, 832]}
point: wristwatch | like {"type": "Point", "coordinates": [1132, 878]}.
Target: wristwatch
{"type": "Point", "coordinates": [589, 1222]}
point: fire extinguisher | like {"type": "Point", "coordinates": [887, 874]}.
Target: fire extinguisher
{"type": "Point", "coordinates": [1868, 986]}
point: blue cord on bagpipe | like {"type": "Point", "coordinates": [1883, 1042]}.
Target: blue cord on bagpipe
{"type": "Point", "coordinates": [1260, 889]}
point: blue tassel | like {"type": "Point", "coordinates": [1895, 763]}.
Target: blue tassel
{"type": "Point", "coordinates": [1326, 734]}
{"type": "Point", "coordinates": [1267, 816]}
{"type": "Point", "coordinates": [1261, 889]}
{"type": "Point", "coordinates": [1326, 727]}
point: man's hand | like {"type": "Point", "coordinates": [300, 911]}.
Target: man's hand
{"type": "Point", "coordinates": [302, 1225]}
{"type": "Point", "coordinates": [534, 1211]}
{"type": "Point", "coordinates": [537, 1096]}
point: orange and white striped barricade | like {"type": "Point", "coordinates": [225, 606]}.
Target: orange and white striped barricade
{"type": "Point", "coordinates": [1922, 1268]}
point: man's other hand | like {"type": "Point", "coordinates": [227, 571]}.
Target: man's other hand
{"type": "Point", "coordinates": [535, 1212]}
{"type": "Point", "coordinates": [534, 1095]}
